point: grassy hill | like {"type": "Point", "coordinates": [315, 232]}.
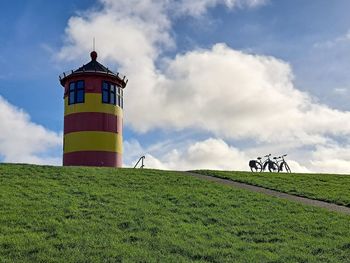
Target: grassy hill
{"type": "Point", "coordinates": [333, 188]}
{"type": "Point", "coordinates": [72, 214]}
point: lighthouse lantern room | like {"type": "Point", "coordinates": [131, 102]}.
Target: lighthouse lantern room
{"type": "Point", "coordinates": [93, 115]}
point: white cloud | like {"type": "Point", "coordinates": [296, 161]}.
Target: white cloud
{"type": "Point", "coordinates": [238, 95]}
{"type": "Point", "coordinates": [225, 92]}
{"type": "Point", "coordinates": [331, 158]}
{"type": "Point", "coordinates": [128, 33]}
{"type": "Point", "coordinates": [211, 153]}
{"type": "Point", "coordinates": [133, 150]}
{"type": "Point", "coordinates": [296, 167]}
{"type": "Point", "coordinates": [229, 93]}
{"type": "Point", "coordinates": [131, 32]}
{"type": "Point", "coordinates": [207, 154]}
{"type": "Point", "coordinates": [24, 141]}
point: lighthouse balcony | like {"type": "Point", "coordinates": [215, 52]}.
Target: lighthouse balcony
{"type": "Point", "coordinates": [107, 72]}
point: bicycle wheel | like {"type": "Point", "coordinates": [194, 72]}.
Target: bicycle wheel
{"type": "Point", "coordinates": [257, 168]}
{"type": "Point", "coordinates": [273, 167]}
{"type": "Point", "coordinates": [286, 166]}
{"type": "Point", "coordinates": [280, 168]}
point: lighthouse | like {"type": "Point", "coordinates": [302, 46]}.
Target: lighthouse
{"type": "Point", "coordinates": [93, 115]}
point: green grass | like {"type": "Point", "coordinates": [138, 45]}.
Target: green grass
{"type": "Point", "coordinates": [55, 214]}
{"type": "Point", "coordinates": [326, 187]}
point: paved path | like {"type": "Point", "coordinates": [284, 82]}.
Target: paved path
{"type": "Point", "coordinates": [258, 189]}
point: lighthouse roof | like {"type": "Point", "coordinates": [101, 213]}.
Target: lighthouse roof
{"type": "Point", "coordinates": [93, 67]}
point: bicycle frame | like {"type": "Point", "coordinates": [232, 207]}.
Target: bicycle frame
{"type": "Point", "coordinates": [280, 161]}
{"type": "Point", "coordinates": [266, 163]}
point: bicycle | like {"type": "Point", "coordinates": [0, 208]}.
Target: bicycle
{"type": "Point", "coordinates": [282, 164]}
{"type": "Point", "coordinates": [257, 166]}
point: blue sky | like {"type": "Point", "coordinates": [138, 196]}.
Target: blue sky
{"type": "Point", "coordinates": [29, 71]}
{"type": "Point", "coordinates": [307, 43]}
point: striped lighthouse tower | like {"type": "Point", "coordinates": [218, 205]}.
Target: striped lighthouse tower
{"type": "Point", "coordinates": [93, 115]}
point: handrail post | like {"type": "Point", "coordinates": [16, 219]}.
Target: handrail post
{"type": "Point", "coordinates": [142, 158]}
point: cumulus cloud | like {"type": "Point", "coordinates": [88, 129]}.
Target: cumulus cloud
{"type": "Point", "coordinates": [229, 92]}
{"type": "Point", "coordinates": [24, 141]}
{"type": "Point", "coordinates": [212, 153]}
{"type": "Point", "coordinates": [128, 32]}
{"type": "Point", "coordinates": [238, 95]}
{"type": "Point", "coordinates": [331, 158]}
{"type": "Point", "coordinates": [221, 91]}
{"type": "Point", "coordinates": [207, 154]}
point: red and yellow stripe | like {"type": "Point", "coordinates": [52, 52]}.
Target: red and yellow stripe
{"type": "Point", "coordinates": [93, 82]}
{"type": "Point", "coordinates": [92, 132]}
{"type": "Point", "coordinates": [92, 141]}
{"type": "Point", "coordinates": [93, 158]}
{"type": "Point", "coordinates": [92, 121]}
{"type": "Point", "coordinates": [93, 103]}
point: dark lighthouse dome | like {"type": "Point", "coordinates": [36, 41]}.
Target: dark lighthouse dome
{"type": "Point", "coordinates": [94, 67]}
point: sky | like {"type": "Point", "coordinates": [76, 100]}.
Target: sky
{"type": "Point", "coordinates": [212, 83]}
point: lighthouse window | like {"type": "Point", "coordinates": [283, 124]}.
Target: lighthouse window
{"type": "Point", "coordinates": [80, 92]}
{"type": "Point", "coordinates": [111, 94]}
{"type": "Point", "coordinates": [105, 92]}
{"type": "Point", "coordinates": [121, 97]}
{"type": "Point", "coordinates": [76, 92]}
{"type": "Point", "coordinates": [71, 92]}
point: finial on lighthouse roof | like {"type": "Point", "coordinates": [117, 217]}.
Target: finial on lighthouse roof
{"type": "Point", "coordinates": [93, 55]}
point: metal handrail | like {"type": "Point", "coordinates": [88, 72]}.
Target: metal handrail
{"type": "Point", "coordinates": [142, 158]}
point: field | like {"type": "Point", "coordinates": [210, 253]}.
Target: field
{"type": "Point", "coordinates": [326, 187]}
{"type": "Point", "coordinates": [73, 214]}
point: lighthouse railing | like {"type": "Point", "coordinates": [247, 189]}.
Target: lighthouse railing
{"type": "Point", "coordinates": [68, 73]}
